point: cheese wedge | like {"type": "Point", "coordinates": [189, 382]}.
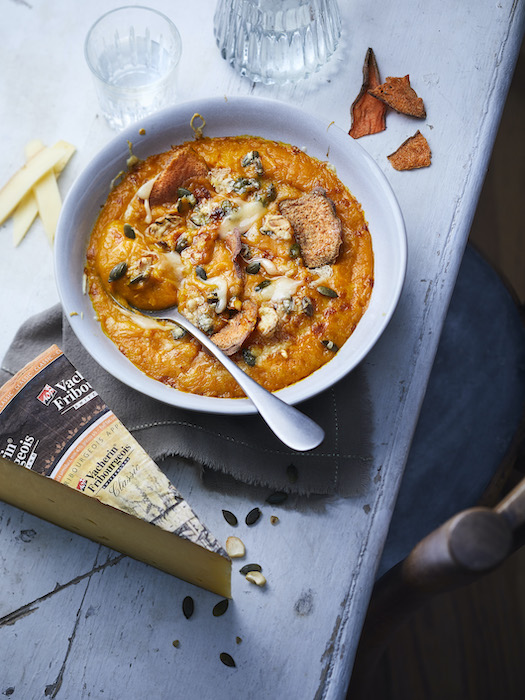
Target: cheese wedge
{"type": "Point", "coordinates": [65, 457]}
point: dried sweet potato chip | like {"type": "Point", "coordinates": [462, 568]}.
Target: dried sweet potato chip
{"type": "Point", "coordinates": [397, 94]}
{"type": "Point", "coordinates": [368, 114]}
{"type": "Point", "coordinates": [413, 153]}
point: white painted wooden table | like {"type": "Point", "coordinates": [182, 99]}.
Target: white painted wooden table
{"type": "Point", "coordinates": [78, 620]}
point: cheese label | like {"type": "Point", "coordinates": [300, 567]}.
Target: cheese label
{"type": "Point", "coordinates": [53, 422]}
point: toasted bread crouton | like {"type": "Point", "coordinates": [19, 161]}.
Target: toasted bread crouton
{"type": "Point", "coordinates": [230, 338]}
{"type": "Point", "coordinates": [397, 94]}
{"type": "Point", "coordinates": [184, 166]}
{"type": "Point", "coordinates": [316, 226]}
{"type": "Point", "coordinates": [413, 153]}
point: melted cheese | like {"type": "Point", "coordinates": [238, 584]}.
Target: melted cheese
{"type": "Point", "coordinates": [280, 289]}
{"type": "Point", "coordinates": [221, 286]}
{"type": "Point", "coordinates": [242, 218]}
{"type": "Point", "coordinates": [144, 192]}
{"type": "Point", "coordinates": [172, 265]}
{"type": "Point", "coordinates": [268, 265]}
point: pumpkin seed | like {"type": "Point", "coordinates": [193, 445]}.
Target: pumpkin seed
{"type": "Point", "coordinates": [246, 253]}
{"type": "Point", "coordinates": [250, 567]}
{"type": "Point", "coordinates": [249, 358]}
{"type": "Point", "coordinates": [330, 345]}
{"type": "Point", "coordinates": [253, 516]}
{"type": "Point", "coordinates": [288, 305]}
{"type": "Point", "coordinates": [245, 184]}
{"type": "Point", "coordinates": [139, 278]}
{"type": "Point", "coordinates": [129, 231]}
{"type": "Point", "coordinates": [276, 498]}
{"type": "Point", "coordinates": [230, 518]}
{"type": "Point", "coordinates": [178, 332]}
{"type": "Point", "coordinates": [267, 194]}
{"type": "Point", "coordinates": [227, 660]}
{"type": "Point", "coordinates": [307, 306]}
{"type": "Point", "coordinates": [292, 473]}
{"type": "Point", "coordinates": [262, 285]}
{"type": "Point", "coordinates": [118, 271]}
{"type": "Point", "coordinates": [205, 323]}
{"type": "Point", "coordinates": [327, 292]}
{"type": "Point", "coordinates": [182, 244]}
{"type": "Point", "coordinates": [253, 268]}
{"type": "Point", "coordinates": [201, 272]}
{"type": "Point", "coordinates": [185, 202]}
{"type": "Point", "coordinates": [220, 608]}
{"type": "Point", "coordinates": [183, 192]}
{"type": "Point", "coordinates": [199, 219]}
{"type": "Point", "coordinates": [188, 606]}
{"type": "Point", "coordinates": [253, 158]}
{"type": "Point", "coordinates": [295, 250]}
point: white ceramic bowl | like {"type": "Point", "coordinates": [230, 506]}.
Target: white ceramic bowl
{"type": "Point", "coordinates": [234, 116]}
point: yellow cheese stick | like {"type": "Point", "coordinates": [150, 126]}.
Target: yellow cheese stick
{"type": "Point", "coordinates": [24, 180]}
{"type": "Point", "coordinates": [27, 210]}
{"type": "Point", "coordinates": [49, 202]}
{"type": "Point", "coordinates": [23, 217]}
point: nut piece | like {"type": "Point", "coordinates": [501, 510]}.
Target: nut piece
{"type": "Point", "coordinates": [235, 547]}
{"type": "Point", "coordinates": [256, 577]}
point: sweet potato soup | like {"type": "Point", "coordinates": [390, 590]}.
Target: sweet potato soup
{"type": "Point", "coordinates": [260, 245]}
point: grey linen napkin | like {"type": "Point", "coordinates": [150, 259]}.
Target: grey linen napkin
{"type": "Point", "coordinates": [240, 446]}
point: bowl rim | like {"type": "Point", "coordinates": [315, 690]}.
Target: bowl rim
{"type": "Point", "coordinates": [227, 114]}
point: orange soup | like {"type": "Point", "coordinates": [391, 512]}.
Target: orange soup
{"type": "Point", "coordinates": [258, 244]}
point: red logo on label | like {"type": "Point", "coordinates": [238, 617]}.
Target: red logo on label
{"type": "Point", "coordinates": [82, 484]}
{"type": "Point", "coordinates": [46, 394]}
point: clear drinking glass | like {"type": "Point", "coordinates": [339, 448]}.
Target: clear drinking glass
{"type": "Point", "coordinates": [133, 53]}
{"type": "Point", "coordinates": [277, 41]}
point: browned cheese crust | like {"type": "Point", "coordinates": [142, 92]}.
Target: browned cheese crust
{"type": "Point", "coordinates": [413, 153]}
{"type": "Point", "coordinates": [400, 96]}
{"type": "Point", "coordinates": [316, 227]}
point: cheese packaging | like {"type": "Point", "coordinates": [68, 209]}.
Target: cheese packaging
{"type": "Point", "coordinates": [66, 457]}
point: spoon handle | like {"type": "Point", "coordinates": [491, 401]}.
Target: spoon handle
{"type": "Point", "coordinates": [291, 426]}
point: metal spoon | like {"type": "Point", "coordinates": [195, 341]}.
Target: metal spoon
{"type": "Point", "coordinates": [290, 425]}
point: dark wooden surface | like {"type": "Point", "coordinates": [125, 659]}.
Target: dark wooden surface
{"type": "Point", "coordinates": [470, 644]}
